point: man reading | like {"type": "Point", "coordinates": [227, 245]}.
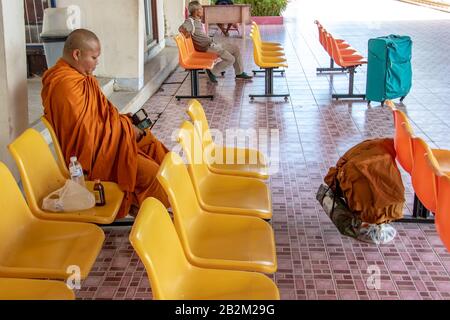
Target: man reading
{"type": "Point", "coordinates": [107, 144]}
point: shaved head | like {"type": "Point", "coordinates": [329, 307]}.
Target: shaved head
{"type": "Point", "coordinates": [81, 39]}
{"type": "Point", "coordinates": [81, 51]}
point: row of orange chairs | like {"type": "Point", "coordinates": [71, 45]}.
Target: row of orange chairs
{"type": "Point", "coordinates": [346, 57]}
{"type": "Point", "coordinates": [430, 173]}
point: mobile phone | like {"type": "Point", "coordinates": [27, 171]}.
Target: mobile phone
{"type": "Point", "coordinates": [141, 120]}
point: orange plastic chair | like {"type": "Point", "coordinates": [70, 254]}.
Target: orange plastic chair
{"type": "Point", "coordinates": [350, 63]}
{"type": "Point", "coordinates": [34, 248]}
{"type": "Point", "coordinates": [197, 54]}
{"type": "Point", "coordinates": [348, 53]}
{"type": "Point", "coordinates": [403, 143]}
{"type": "Point", "coordinates": [422, 175]}
{"type": "Point", "coordinates": [322, 32]}
{"type": "Point", "coordinates": [246, 168]}
{"type": "Point", "coordinates": [173, 277]}
{"type": "Point", "coordinates": [25, 289]}
{"type": "Point", "coordinates": [442, 217]}
{"type": "Point", "coordinates": [211, 239]}
{"type": "Point", "coordinates": [344, 57]}
{"type": "Point", "coordinates": [222, 193]}
{"type": "Point", "coordinates": [403, 140]}
{"type": "Point", "coordinates": [41, 175]}
{"type": "Point", "coordinates": [194, 64]}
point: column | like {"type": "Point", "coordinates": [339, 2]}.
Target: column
{"type": "Point", "coordinates": [13, 77]}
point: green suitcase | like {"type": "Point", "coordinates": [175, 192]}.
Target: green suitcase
{"type": "Point", "coordinates": [389, 71]}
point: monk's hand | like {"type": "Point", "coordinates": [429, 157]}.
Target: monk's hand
{"type": "Point", "coordinates": [138, 133]}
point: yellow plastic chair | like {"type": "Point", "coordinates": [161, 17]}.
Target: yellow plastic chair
{"type": "Point", "coordinates": [41, 175]}
{"type": "Point", "coordinates": [264, 61]}
{"type": "Point", "coordinates": [34, 248]}
{"type": "Point", "coordinates": [25, 289]}
{"type": "Point", "coordinates": [59, 154]}
{"type": "Point", "coordinates": [266, 52]}
{"type": "Point", "coordinates": [223, 193]}
{"type": "Point", "coordinates": [173, 277]}
{"type": "Point", "coordinates": [246, 162]}
{"type": "Point", "coordinates": [213, 240]}
{"type": "Point", "coordinates": [267, 49]}
{"type": "Point", "coordinates": [268, 64]}
{"type": "Point", "coordinates": [266, 44]}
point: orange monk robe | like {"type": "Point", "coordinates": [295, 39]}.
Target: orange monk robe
{"type": "Point", "coordinates": [90, 127]}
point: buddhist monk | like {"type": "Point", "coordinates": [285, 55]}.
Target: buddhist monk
{"type": "Point", "coordinates": [107, 144]}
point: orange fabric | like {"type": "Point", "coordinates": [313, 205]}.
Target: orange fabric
{"type": "Point", "coordinates": [90, 127]}
{"type": "Point", "coordinates": [370, 181]}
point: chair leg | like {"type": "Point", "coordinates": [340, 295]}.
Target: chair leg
{"type": "Point", "coordinates": [268, 88]}
{"type": "Point", "coordinates": [331, 68]}
{"type": "Point", "coordinates": [350, 94]}
{"type": "Point", "coordinates": [420, 213]}
{"type": "Point", "coordinates": [282, 71]}
{"type": "Point", "coordinates": [419, 210]}
{"type": "Point", "coordinates": [194, 88]}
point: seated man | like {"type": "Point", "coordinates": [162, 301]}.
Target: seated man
{"type": "Point", "coordinates": [88, 126]}
{"type": "Point", "coordinates": [229, 53]}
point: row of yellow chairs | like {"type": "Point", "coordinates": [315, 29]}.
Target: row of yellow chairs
{"type": "Point", "coordinates": [429, 170]}
{"type": "Point", "coordinates": [246, 230]}
{"type": "Point", "coordinates": [213, 250]}
{"type": "Point", "coordinates": [269, 56]}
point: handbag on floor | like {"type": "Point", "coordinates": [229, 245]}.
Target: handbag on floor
{"type": "Point", "coordinates": [349, 223]}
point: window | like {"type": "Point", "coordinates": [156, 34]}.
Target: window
{"type": "Point", "coordinates": [151, 24]}
{"type": "Point", "coordinates": [34, 14]}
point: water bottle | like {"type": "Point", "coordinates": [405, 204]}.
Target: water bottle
{"type": "Point", "coordinates": [76, 171]}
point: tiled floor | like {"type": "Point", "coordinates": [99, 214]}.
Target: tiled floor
{"type": "Point", "coordinates": [315, 261]}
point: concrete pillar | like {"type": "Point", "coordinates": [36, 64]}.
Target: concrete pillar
{"type": "Point", "coordinates": [174, 15]}
{"type": "Point", "coordinates": [13, 77]}
{"type": "Point", "coordinates": [120, 25]}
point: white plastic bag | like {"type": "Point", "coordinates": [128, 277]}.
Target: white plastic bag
{"type": "Point", "coordinates": [377, 234]}
{"type": "Point", "coordinates": [71, 197]}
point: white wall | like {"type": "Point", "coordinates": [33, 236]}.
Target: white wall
{"type": "Point", "coordinates": [174, 14]}
{"type": "Point", "coordinates": [160, 7]}
{"type": "Point", "coordinates": [120, 26]}
{"type": "Point", "coordinates": [13, 77]}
